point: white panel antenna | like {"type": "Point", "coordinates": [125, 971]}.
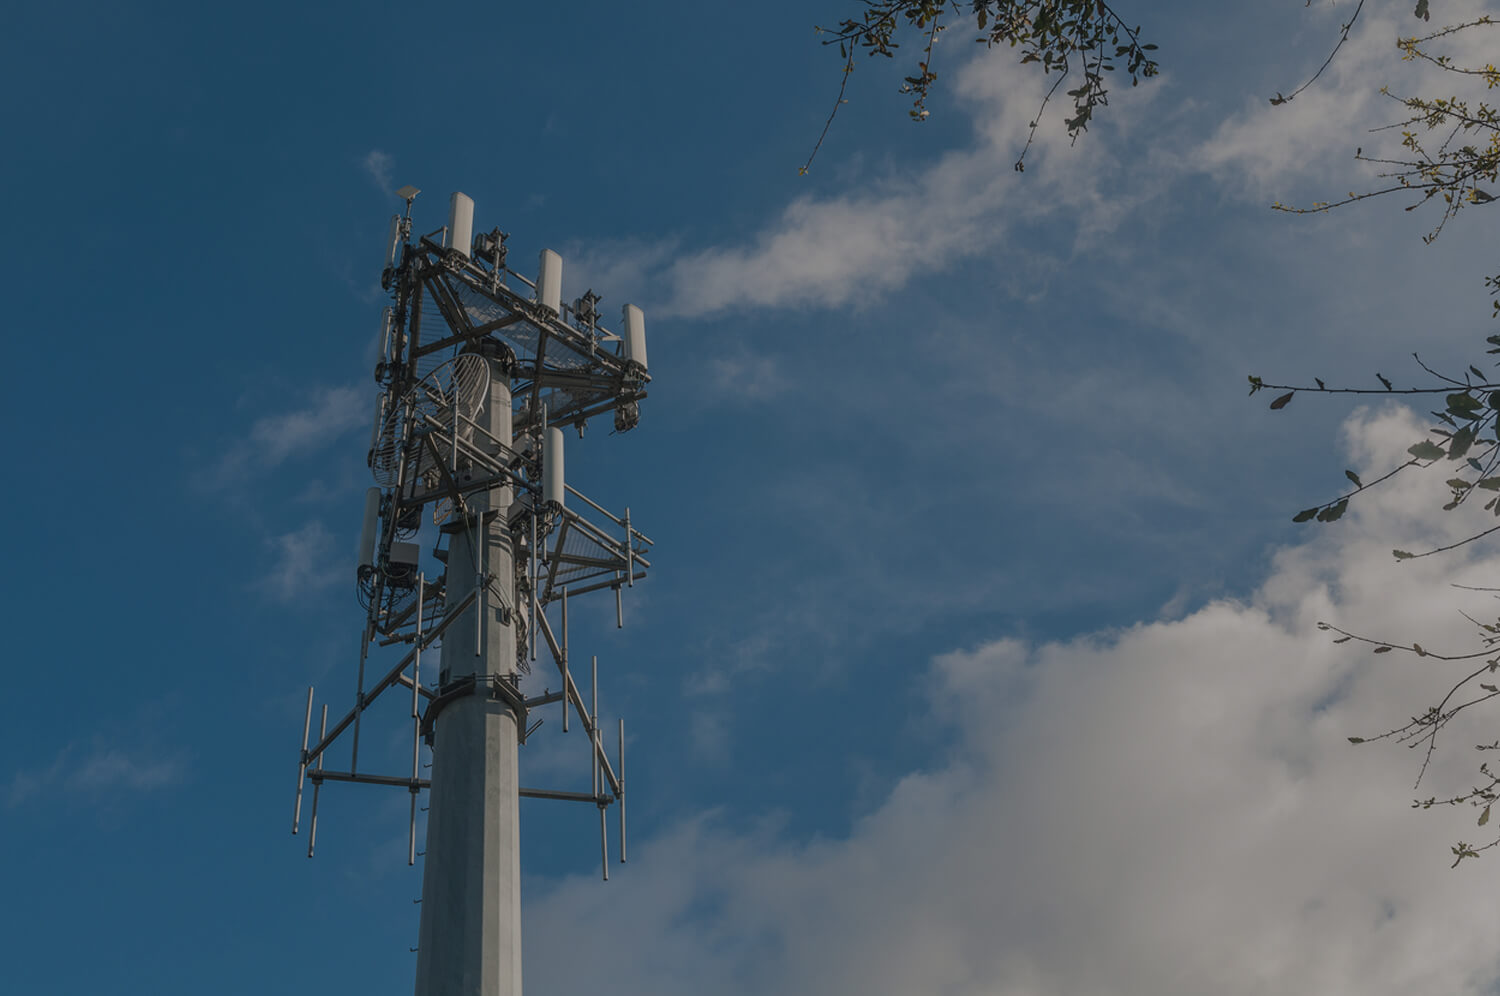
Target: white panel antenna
{"type": "Point", "coordinates": [553, 486]}
{"type": "Point", "coordinates": [460, 222]}
{"type": "Point", "coordinates": [367, 530]}
{"type": "Point", "coordinates": [635, 334]}
{"type": "Point", "coordinates": [549, 282]}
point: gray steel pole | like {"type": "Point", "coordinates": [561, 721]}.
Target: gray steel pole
{"type": "Point", "coordinates": [469, 941]}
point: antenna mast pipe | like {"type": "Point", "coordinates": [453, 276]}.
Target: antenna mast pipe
{"type": "Point", "coordinates": [469, 940]}
{"type": "Point", "coordinates": [622, 791]}
{"type": "Point", "coordinates": [302, 766]}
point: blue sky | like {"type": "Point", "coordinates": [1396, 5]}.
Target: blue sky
{"type": "Point", "coordinates": [979, 654]}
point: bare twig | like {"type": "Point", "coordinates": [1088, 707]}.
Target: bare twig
{"type": "Point", "coordinates": [1343, 37]}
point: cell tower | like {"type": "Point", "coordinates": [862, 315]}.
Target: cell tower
{"type": "Point", "coordinates": [480, 370]}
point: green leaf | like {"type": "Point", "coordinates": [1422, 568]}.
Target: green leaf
{"type": "Point", "coordinates": [1484, 817]}
{"type": "Point", "coordinates": [1422, 12]}
{"type": "Point", "coordinates": [1490, 688]}
{"type": "Point", "coordinates": [1384, 381]}
{"type": "Point", "coordinates": [1333, 512]}
{"type": "Point", "coordinates": [1403, 555]}
{"type": "Point", "coordinates": [1426, 450]}
{"type": "Point", "coordinates": [1356, 740]}
{"type": "Point", "coordinates": [1281, 402]}
{"type": "Point", "coordinates": [1304, 515]}
{"type": "Point", "coordinates": [1462, 440]}
{"type": "Point", "coordinates": [1459, 484]}
{"type": "Point", "coordinates": [1418, 648]}
{"type": "Point", "coordinates": [1353, 477]}
{"type": "Point", "coordinates": [1381, 650]}
{"type": "Point", "coordinates": [1489, 483]}
{"type": "Point", "coordinates": [1462, 403]}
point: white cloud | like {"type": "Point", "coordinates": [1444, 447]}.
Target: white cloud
{"type": "Point", "coordinates": [335, 411]}
{"type": "Point", "coordinates": [747, 377]}
{"type": "Point", "coordinates": [274, 438]}
{"type": "Point", "coordinates": [103, 770]}
{"type": "Point", "coordinates": [378, 165]}
{"type": "Point", "coordinates": [710, 734]}
{"type": "Point", "coordinates": [114, 769]}
{"type": "Point", "coordinates": [1169, 809]}
{"type": "Point", "coordinates": [851, 247]}
{"type": "Point", "coordinates": [304, 563]}
{"type": "Point", "coordinates": [620, 269]}
{"type": "Point", "coordinates": [724, 661]}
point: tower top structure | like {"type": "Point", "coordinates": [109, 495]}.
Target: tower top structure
{"type": "Point", "coordinates": [471, 538]}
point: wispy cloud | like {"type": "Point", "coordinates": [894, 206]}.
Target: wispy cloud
{"type": "Point", "coordinates": [710, 732]}
{"type": "Point", "coordinates": [624, 268]}
{"type": "Point", "coordinates": [746, 377]}
{"type": "Point", "coordinates": [304, 563]}
{"type": "Point", "coordinates": [878, 233]}
{"type": "Point", "coordinates": [272, 439]}
{"type": "Point", "coordinates": [852, 247]}
{"type": "Point", "coordinates": [379, 165]}
{"type": "Point", "coordinates": [722, 664]}
{"type": "Point", "coordinates": [336, 410]}
{"type": "Point", "coordinates": [94, 774]}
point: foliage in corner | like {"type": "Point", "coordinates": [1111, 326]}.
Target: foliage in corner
{"type": "Point", "coordinates": [1450, 145]}
{"type": "Point", "coordinates": [1450, 151]}
{"type": "Point", "coordinates": [1062, 36]}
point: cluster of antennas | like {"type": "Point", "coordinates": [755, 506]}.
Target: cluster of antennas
{"type": "Point", "coordinates": [480, 371]}
{"type": "Point", "coordinates": [460, 313]}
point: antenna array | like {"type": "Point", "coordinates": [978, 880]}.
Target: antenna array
{"type": "Point", "coordinates": [480, 370]}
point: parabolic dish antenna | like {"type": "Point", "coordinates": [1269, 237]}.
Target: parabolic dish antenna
{"type": "Point", "coordinates": [444, 403]}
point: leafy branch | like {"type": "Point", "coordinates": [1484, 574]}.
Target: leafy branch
{"type": "Point", "coordinates": [1061, 35]}
{"type": "Point", "coordinates": [1451, 153]}
{"type": "Point", "coordinates": [1422, 731]}
{"type": "Point", "coordinates": [1453, 170]}
{"type": "Point", "coordinates": [1469, 412]}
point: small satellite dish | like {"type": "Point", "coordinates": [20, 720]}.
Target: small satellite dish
{"type": "Point", "coordinates": [458, 386]}
{"type": "Point", "coordinates": [408, 193]}
{"type": "Point", "coordinates": [385, 455]}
